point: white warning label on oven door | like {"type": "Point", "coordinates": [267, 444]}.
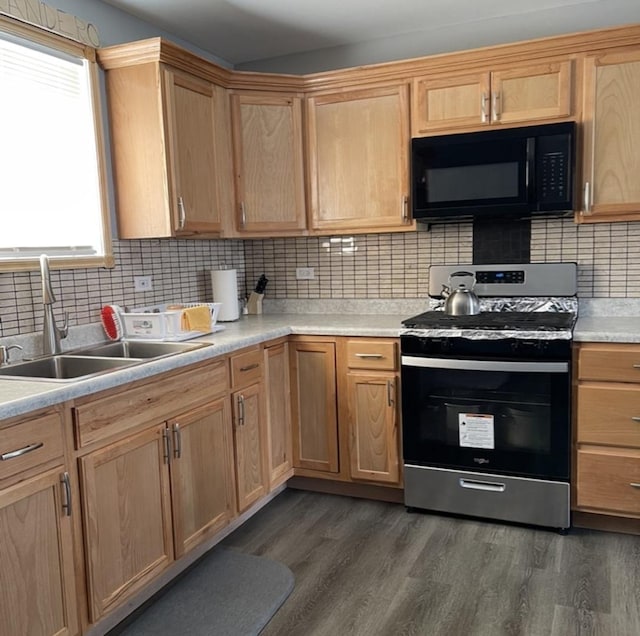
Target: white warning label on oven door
{"type": "Point", "coordinates": [476, 430]}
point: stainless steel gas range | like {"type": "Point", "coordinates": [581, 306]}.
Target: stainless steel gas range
{"type": "Point", "coordinates": [486, 397]}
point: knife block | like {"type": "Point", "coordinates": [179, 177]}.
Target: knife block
{"type": "Point", "coordinates": [254, 304]}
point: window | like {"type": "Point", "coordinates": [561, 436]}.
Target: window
{"type": "Point", "coordinates": [52, 185]}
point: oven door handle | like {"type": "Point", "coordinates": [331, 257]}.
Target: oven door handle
{"type": "Point", "coordinates": [482, 485]}
{"type": "Point", "coordinates": [485, 365]}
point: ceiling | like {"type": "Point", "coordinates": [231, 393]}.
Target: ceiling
{"type": "Point", "coordinates": [248, 32]}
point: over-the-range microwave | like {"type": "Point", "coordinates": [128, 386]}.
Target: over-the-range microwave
{"type": "Point", "coordinates": [510, 172]}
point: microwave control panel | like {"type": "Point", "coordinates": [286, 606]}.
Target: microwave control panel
{"type": "Point", "coordinates": [554, 184]}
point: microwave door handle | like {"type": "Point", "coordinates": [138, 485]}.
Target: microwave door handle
{"type": "Point", "coordinates": [529, 172]}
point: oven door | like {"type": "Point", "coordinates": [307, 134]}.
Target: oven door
{"type": "Point", "coordinates": [497, 416]}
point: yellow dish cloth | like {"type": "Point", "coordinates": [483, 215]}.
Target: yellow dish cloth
{"type": "Point", "coordinates": [196, 319]}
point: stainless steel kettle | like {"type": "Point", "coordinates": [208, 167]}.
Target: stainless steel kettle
{"type": "Point", "coordinates": [461, 301]}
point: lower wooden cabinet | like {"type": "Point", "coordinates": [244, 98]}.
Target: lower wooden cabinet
{"type": "Point", "coordinates": [278, 417]}
{"type": "Point", "coordinates": [607, 435]}
{"type": "Point", "coordinates": [346, 417]}
{"type": "Point", "coordinates": [37, 589]}
{"type": "Point", "coordinates": [127, 517]}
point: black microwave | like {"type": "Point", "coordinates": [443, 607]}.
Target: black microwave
{"type": "Point", "coordinates": [511, 172]}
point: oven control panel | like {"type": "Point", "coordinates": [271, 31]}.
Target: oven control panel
{"type": "Point", "coordinates": [502, 277]}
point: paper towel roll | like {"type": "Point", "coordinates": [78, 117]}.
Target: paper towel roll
{"type": "Point", "coordinates": [224, 283]}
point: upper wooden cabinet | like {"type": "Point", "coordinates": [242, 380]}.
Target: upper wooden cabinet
{"type": "Point", "coordinates": [611, 137]}
{"type": "Point", "coordinates": [470, 100]}
{"type": "Point", "coordinates": [163, 128]}
{"type": "Point", "coordinates": [358, 159]}
{"type": "Point", "coordinates": [268, 162]}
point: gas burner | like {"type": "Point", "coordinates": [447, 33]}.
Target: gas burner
{"type": "Point", "coordinates": [494, 321]}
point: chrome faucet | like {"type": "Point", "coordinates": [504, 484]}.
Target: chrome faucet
{"type": "Point", "coordinates": [51, 333]}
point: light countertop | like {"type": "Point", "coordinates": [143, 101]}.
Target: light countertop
{"type": "Point", "coordinates": [18, 397]}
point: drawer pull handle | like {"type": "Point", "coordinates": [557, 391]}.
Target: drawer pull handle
{"type": "Point", "coordinates": [66, 506]}
{"type": "Point", "coordinates": [482, 485]}
{"type": "Point", "coordinates": [634, 485]}
{"type": "Point", "coordinates": [21, 451]}
{"type": "Point", "coordinates": [636, 366]}
{"type": "Point", "coordinates": [635, 418]}
{"type": "Point", "coordinates": [374, 356]}
{"type": "Point", "coordinates": [251, 366]}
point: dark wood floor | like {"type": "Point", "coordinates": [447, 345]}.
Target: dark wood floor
{"type": "Point", "coordinates": [365, 567]}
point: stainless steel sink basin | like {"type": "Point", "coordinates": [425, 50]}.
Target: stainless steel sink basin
{"type": "Point", "coordinates": [65, 367]}
{"type": "Point", "coordinates": [139, 349]}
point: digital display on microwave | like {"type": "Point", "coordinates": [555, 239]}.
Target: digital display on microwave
{"type": "Point", "coordinates": [472, 183]}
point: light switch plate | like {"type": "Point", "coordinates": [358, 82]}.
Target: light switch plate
{"type": "Point", "coordinates": [305, 273]}
{"type": "Point", "coordinates": [142, 283]}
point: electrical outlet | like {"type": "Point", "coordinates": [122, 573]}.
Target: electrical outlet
{"type": "Point", "coordinates": [305, 273]}
{"type": "Point", "coordinates": [142, 283]}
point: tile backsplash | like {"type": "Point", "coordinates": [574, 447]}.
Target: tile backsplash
{"type": "Point", "coordinates": [384, 266]}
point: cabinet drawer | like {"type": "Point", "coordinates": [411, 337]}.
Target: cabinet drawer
{"type": "Point", "coordinates": [605, 481]}
{"type": "Point", "coordinates": [372, 354]}
{"type": "Point", "coordinates": [30, 443]}
{"type": "Point", "coordinates": [609, 415]}
{"type": "Point", "coordinates": [246, 368]}
{"type": "Point", "coordinates": [149, 403]}
{"type": "Point", "coordinates": [609, 362]}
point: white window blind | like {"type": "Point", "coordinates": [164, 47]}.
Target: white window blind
{"type": "Point", "coordinates": [50, 191]}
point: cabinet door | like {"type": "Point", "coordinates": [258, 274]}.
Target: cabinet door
{"type": "Point", "coordinates": [127, 517]}
{"type": "Point", "coordinates": [527, 93]}
{"type": "Point", "coordinates": [612, 138]}
{"type": "Point", "coordinates": [249, 444]}
{"type": "Point", "coordinates": [358, 159]}
{"type": "Point", "coordinates": [267, 142]}
{"type": "Point", "coordinates": [450, 101]}
{"type": "Point", "coordinates": [279, 450]}
{"type": "Point", "coordinates": [37, 590]}
{"type": "Point", "coordinates": [314, 406]}
{"type": "Point", "coordinates": [190, 123]}
{"type": "Point", "coordinates": [202, 491]}
{"type": "Point", "coordinates": [373, 426]}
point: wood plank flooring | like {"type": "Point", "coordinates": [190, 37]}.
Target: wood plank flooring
{"type": "Point", "coordinates": [371, 568]}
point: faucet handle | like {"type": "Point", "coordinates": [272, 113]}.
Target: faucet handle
{"type": "Point", "coordinates": [4, 353]}
{"type": "Point", "coordinates": [64, 330]}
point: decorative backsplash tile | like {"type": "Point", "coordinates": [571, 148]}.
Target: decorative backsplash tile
{"type": "Point", "coordinates": [386, 266]}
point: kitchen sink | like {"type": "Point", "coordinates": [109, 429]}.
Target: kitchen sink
{"type": "Point", "coordinates": [65, 367]}
{"type": "Point", "coordinates": [140, 349]}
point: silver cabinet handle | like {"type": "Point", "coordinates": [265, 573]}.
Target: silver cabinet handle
{"type": "Point", "coordinates": [495, 107]}
{"type": "Point", "coordinates": [249, 367]}
{"type": "Point", "coordinates": [636, 366]}
{"type": "Point", "coordinates": [373, 356]}
{"type": "Point", "coordinates": [634, 485]}
{"type": "Point", "coordinates": [21, 451]}
{"type": "Point", "coordinates": [587, 197]}
{"type": "Point", "coordinates": [404, 209]}
{"type": "Point", "coordinates": [182, 214]}
{"type": "Point", "coordinates": [167, 449]}
{"type": "Point", "coordinates": [482, 485]}
{"type": "Point", "coordinates": [243, 214]}
{"type": "Point", "coordinates": [177, 440]}
{"type": "Point", "coordinates": [390, 392]}
{"type": "Point", "coordinates": [635, 418]}
{"type": "Point", "coordinates": [66, 506]}
{"type": "Point", "coordinates": [241, 410]}
{"type": "Point", "coordinates": [484, 100]}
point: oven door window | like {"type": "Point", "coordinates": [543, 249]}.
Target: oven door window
{"type": "Point", "coordinates": [509, 421]}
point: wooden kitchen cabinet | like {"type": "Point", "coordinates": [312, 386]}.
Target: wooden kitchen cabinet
{"type": "Point", "coordinates": [526, 93]}
{"type": "Point", "coordinates": [249, 427]}
{"type": "Point", "coordinates": [278, 392]}
{"type": "Point", "coordinates": [202, 485]}
{"type": "Point", "coordinates": [358, 154]}
{"type": "Point", "coordinates": [607, 474]}
{"type": "Point", "coordinates": [314, 405]}
{"type": "Point", "coordinates": [37, 578]}
{"type": "Point", "coordinates": [268, 162]}
{"type": "Point", "coordinates": [611, 148]}
{"type": "Point", "coordinates": [170, 169]}
{"type": "Point", "coordinates": [127, 517]}
{"type": "Point", "coordinates": [372, 410]}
